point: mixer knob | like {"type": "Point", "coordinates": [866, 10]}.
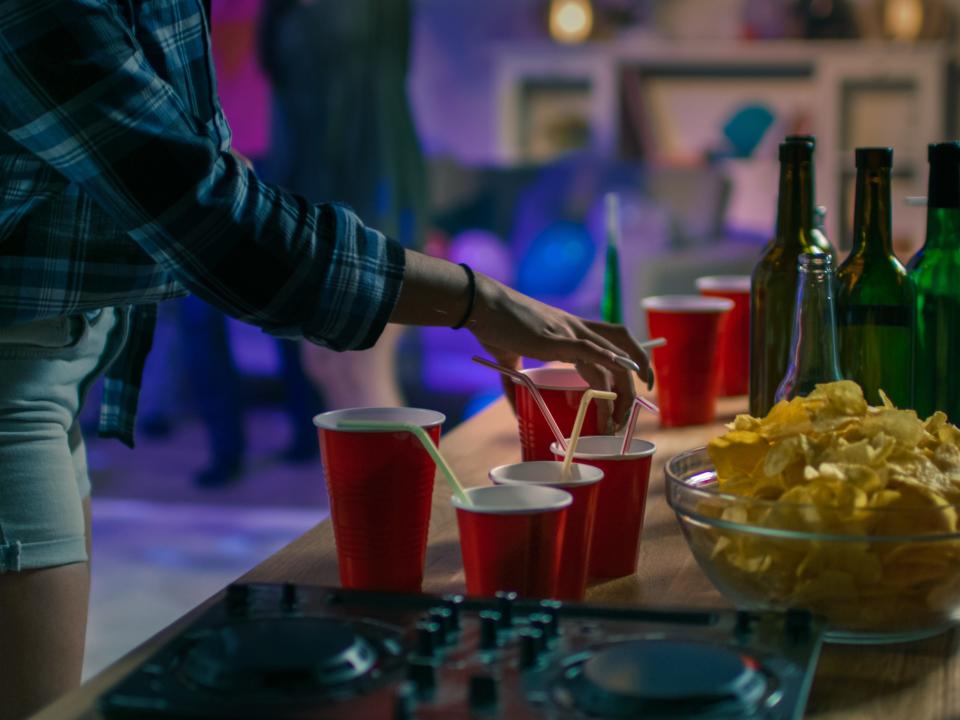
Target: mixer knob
{"type": "Point", "coordinates": [541, 623]}
{"type": "Point", "coordinates": [429, 638]}
{"type": "Point", "coordinates": [422, 674]}
{"type": "Point", "coordinates": [505, 602]}
{"type": "Point", "coordinates": [289, 597]}
{"type": "Point", "coordinates": [489, 626]}
{"type": "Point", "coordinates": [404, 700]}
{"type": "Point", "coordinates": [483, 692]}
{"type": "Point", "coordinates": [453, 603]}
{"type": "Point", "coordinates": [531, 643]}
{"type": "Point", "coordinates": [551, 608]}
{"type": "Point", "coordinates": [238, 599]}
{"type": "Point", "coordinates": [444, 618]}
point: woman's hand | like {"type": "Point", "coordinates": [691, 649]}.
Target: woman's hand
{"type": "Point", "coordinates": [511, 325]}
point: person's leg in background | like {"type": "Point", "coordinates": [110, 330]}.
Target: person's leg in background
{"type": "Point", "coordinates": [217, 390]}
{"type": "Point", "coordinates": [45, 505]}
{"type": "Point", "coordinates": [367, 378]}
{"type": "Point", "coordinates": [301, 402]}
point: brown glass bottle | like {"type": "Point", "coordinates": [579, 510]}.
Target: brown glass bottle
{"type": "Point", "coordinates": [818, 236]}
{"type": "Point", "coordinates": [773, 286]}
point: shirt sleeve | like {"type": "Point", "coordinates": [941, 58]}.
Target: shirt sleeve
{"type": "Point", "coordinates": [78, 93]}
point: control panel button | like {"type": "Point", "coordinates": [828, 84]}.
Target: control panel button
{"type": "Point", "coordinates": [428, 638]}
{"type": "Point", "coordinates": [489, 627]}
{"type": "Point", "coordinates": [453, 604]}
{"type": "Point", "coordinates": [531, 643]}
{"type": "Point", "coordinates": [505, 601]}
{"type": "Point", "coordinates": [551, 608]}
{"type": "Point", "coordinates": [444, 618]}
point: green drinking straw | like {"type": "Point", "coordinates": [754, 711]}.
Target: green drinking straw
{"type": "Point", "coordinates": [424, 439]}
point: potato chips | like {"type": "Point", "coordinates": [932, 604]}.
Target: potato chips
{"type": "Point", "coordinates": [849, 510]}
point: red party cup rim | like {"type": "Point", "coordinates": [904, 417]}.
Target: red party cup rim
{"type": "Point", "coordinates": [687, 304]}
{"type": "Point", "coordinates": [415, 416]}
{"type": "Point", "coordinates": [553, 377]}
{"type": "Point", "coordinates": [724, 283]}
{"type": "Point", "coordinates": [513, 500]}
{"type": "Point", "coordinates": [545, 472]}
{"type": "Point", "coordinates": [607, 447]}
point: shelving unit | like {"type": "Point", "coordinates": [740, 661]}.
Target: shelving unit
{"type": "Point", "coordinates": [851, 93]}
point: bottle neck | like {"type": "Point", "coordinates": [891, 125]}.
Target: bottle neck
{"type": "Point", "coordinates": [871, 225]}
{"type": "Point", "coordinates": [943, 229]}
{"type": "Point", "coordinates": [813, 347]}
{"type": "Point", "coordinates": [795, 202]}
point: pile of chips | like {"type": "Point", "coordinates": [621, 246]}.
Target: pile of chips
{"type": "Point", "coordinates": [849, 510]}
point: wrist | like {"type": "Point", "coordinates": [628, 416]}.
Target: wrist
{"type": "Point", "coordinates": [471, 293]}
{"type": "Point", "coordinates": [488, 292]}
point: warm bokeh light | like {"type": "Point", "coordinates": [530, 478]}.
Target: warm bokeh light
{"type": "Point", "coordinates": [570, 20]}
{"type": "Point", "coordinates": [903, 18]}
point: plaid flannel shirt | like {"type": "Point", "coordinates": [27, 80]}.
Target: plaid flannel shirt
{"type": "Point", "coordinates": [117, 188]}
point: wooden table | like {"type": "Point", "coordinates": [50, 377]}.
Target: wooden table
{"type": "Point", "coordinates": [920, 680]}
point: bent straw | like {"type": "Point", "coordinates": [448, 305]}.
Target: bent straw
{"type": "Point", "coordinates": [424, 439]}
{"type": "Point", "coordinates": [578, 425]}
{"type": "Point", "coordinates": [532, 387]}
{"type": "Point", "coordinates": [638, 402]}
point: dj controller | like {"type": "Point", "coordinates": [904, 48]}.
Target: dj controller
{"type": "Point", "coordinates": [289, 652]}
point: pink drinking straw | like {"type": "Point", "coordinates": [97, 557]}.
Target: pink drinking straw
{"type": "Point", "coordinates": [532, 387]}
{"type": "Point", "coordinates": [638, 402]}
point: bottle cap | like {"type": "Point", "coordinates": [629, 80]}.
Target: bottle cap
{"type": "Point", "coordinates": [802, 139]}
{"type": "Point", "coordinates": [943, 190]}
{"type": "Point", "coordinates": [796, 151]}
{"type": "Point", "coordinates": [874, 158]}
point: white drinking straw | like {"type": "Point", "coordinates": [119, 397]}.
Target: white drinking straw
{"type": "Point", "coordinates": [422, 436]}
{"type": "Point", "coordinates": [638, 402]}
{"type": "Point", "coordinates": [532, 387]}
{"type": "Point", "coordinates": [589, 395]}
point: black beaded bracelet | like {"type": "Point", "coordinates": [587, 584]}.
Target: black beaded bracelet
{"type": "Point", "coordinates": [471, 293]}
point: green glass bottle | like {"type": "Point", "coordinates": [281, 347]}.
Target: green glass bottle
{"type": "Point", "coordinates": [773, 285]}
{"type": "Point", "coordinates": [935, 271]}
{"type": "Point", "coordinates": [875, 298]}
{"type": "Point", "coordinates": [819, 233]}
{"type": "Point", "coordinates": [611, 306]}
{"type": "Point", "coordinates": [813, 342]}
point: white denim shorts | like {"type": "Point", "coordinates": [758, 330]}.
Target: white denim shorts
{"type": "Point", "coordinates": [46, 369]}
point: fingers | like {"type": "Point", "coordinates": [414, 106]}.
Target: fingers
{"type": "Point", "coordinates": [600, 378]}
{"type": "Point", "coordinates": [621, 339]}
{"type": "Point", "coordinates": [512, 361]}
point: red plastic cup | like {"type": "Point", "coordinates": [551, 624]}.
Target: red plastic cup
{"type": "Point", "coordinates": [687, 367]}
{"type": "Point", "coordinates": [562, 389]}
{"type": "Point", "coordinates": [381, 489]}
{"type": "Point", "coordinates": [734, 340]}
{"type": "Point", "coordinates": [621, 501]}
{"type": "Point", "coordinates": [510, 538]}
{"type": "Point", "coordinates": [583, 484]}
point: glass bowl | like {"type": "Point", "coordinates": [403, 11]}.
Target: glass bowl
{"type": "Point", "coordinates": [875, 574]}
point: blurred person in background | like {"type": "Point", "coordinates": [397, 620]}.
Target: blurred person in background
{"type": "Point", "coordinates": [342, 130]}
{"type": "Point", "coordinates": [121, 191]}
